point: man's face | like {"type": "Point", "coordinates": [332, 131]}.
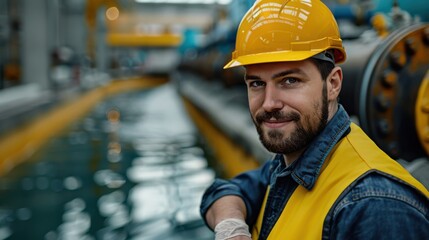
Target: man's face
{"type": "Point", "coordinates": [288, 103]}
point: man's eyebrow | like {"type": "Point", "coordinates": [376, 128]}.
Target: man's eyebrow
{"type": "Point", "coordinates": [287, 72]}
{"type": "Point", "coordinates": [251, 77]}
{"type": "Point", "coordinates": [274, 76]}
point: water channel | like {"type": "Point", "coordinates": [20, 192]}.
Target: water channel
{"type": "Point", "coordinates": [134, 168]}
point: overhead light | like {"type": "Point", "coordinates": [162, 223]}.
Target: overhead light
{"type": "Point", "coordinates": [224, 2]}
{"type": "Point", "coordinates": [112, 13]}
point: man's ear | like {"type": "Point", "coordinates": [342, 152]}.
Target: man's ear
{"type": "Point", "coordinates": [334, 82]}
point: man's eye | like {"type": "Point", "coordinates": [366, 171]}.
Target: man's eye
{"type": "Point", "coordinates": [290, 80]}
{"type": "Point", "coordinates": [256, 84]}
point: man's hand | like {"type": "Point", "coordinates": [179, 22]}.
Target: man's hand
{"type": "Point", "coordinates": [240, 238]}
{"type": "Point", "coordinates": [230, 228]}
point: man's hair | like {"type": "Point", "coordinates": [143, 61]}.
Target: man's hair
{"type": "Point", "coordinates": [324, 67]}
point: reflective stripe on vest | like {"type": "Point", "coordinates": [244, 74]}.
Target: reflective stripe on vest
{"type": "Point", "coordinates": [305, 212]}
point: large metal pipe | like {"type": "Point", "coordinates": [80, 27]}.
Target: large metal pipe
{"type": "Point", "coordinates": [381, 86]}
{"type": "Point", "coordinates": [358, 53]}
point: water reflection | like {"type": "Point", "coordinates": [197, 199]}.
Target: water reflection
{"type": "Point", "coordinates": [76, 222]}
{"type": "Point", "coordinates": [132, 169]}
{"type": "Point", "coordinates": [109, 178]}
{"type": "Point", "coordinates": [170, 173]}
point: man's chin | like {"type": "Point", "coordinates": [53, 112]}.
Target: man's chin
{"type": "Point", "coordinates": [273, 148]}
{"type": "Point", "coordinates": [271, 144]}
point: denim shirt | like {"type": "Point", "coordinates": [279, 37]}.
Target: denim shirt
{"type": "Point", "coordinates": [375, 206]}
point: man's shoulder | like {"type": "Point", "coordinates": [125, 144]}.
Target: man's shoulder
{"type": "Point", "coordinates": [380, 187]}
{"type": "Point", "coordinates": [379, 207]}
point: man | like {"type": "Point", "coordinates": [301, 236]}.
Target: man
{"type": "Point", "coordinates": [328, 180]}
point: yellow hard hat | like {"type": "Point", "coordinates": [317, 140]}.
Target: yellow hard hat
{"type": "Point", "coordinates": [286, 30]}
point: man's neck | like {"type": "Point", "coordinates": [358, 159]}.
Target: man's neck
{"type": "Point", "coordinates": [292, 157]}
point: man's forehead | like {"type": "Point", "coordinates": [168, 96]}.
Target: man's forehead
{"type": "Point", "coordinates": [278, 67]}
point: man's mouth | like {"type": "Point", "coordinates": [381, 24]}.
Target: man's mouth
{"type": "Point", "coordinates": [277, 118]}
{"type": "Point", "coordinates": [276, 123]}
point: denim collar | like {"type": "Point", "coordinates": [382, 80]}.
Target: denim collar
{"type": "Point", "coordinates": [306, 168]}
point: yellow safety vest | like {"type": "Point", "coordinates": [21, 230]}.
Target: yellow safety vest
{"type": "Point", "coordinates": [305, 212]}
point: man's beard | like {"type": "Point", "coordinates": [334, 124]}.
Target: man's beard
{"type": "Point", "coordinates": [275, 141]}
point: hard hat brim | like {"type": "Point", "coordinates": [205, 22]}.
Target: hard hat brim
{"type": "Point", "coordinates": [282, 56]}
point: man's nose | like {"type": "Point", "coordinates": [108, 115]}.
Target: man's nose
{"type": "Point", "coordinates": [272, 99]}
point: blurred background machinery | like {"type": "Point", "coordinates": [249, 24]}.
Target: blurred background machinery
{"type": "Point", "coordinates": [384, 87]}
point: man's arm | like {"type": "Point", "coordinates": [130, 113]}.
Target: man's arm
{"type": "Point", "coordinates": [226, 207]}
{"type": "Point", "coordinates": [240, 197]}
{"type": "Point", "coordinates": [230, 207]}
{"type": "Point", "coordinates": [227, 217]}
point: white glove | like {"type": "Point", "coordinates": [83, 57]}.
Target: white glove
{"type": "Point", "coordinates": [231, 227]}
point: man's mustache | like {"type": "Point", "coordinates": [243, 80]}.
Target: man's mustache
{"type": "Point", "coordinates": [277, 115]}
